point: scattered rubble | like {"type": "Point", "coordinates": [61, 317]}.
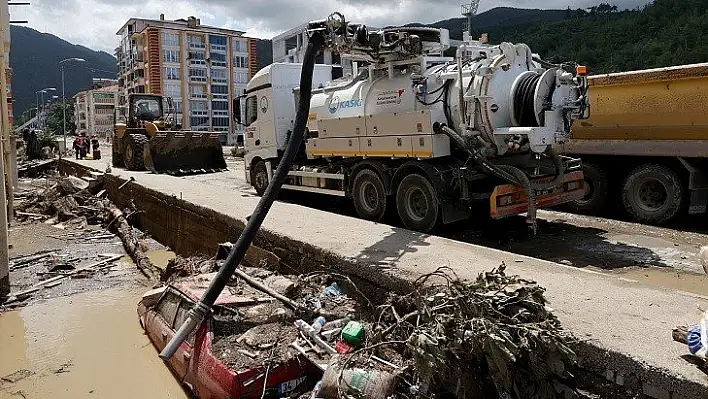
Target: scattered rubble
{"type": "Point", "coordinates": [79, 213]}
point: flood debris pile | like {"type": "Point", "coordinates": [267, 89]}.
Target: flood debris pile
{"type": "Point", "coordinates": [258, 330]}
{"type": "Point", "coordinates": [64, 200]}
{"type": "Point", "coordinates": [493, 337]}
{"type": "Point", "coordinates": [81, 214]}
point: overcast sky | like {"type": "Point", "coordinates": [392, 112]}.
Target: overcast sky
{"type": "Point", "coordinates": [93, 23]}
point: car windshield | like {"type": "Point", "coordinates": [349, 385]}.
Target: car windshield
{"type": "Point", "coordinates": [147, 109]}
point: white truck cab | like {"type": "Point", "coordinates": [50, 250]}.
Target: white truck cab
{"type": "Point", "coordinates": [267, 109]}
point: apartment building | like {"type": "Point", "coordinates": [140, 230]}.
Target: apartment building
{"type": "Point", "coordinates": [290, 47]}
{"type": "Point", "coordinates": [198, 69]}
{"type": "Point", "coordinates": [94, 110]}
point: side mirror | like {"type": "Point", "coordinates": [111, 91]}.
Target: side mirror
{"type": "Point", "coordinates": [237, 110]}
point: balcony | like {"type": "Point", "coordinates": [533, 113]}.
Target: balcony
{"type": "Point", "coordinates": [219, 80]}
{"type": "Point", "coordinates": [217, 48]}
{"type": "Point", "coordinates": [199, 113]}
{"type": "Point", "coordinates": [198, 79]}
{"type": "Point", "coordinates": [197, 46]}
{"type": "Point", "coordinates": [197, 96]}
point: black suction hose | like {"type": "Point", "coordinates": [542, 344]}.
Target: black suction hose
{"type": "Point", "coordinates": [508, 173]}
{"type": "Point", "coordinates": [202, 308]}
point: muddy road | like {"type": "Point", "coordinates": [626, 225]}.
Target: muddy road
{"type": "Point", "coordinates": [663, 256]}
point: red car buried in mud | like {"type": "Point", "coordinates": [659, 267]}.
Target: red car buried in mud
{"type": "Point", "coordinates": [163, 310]}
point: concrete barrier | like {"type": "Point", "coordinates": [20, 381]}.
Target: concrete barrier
{"type": "Point", "coordinates": [623, 327]}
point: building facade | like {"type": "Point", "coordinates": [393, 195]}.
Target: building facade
{"type": "Point", "coordinates": [198, 70]}
{"type": "Point", "coordinates": [94, 110]}
{"type": "Point", "coordinates": [290, 47]}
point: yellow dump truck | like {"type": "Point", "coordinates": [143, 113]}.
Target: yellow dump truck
{"type": "Point", "coordinates": [645, 145]}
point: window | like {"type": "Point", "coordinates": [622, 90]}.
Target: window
{"type": "Point", "coordinates": [251, 110]}
{"type": "Point", "coordinates": [199, 121]}
{"type": "Point", "coordinates": [219, 89]}
{"type": "Point", "coordinates": [237, 45]}
{"type": "Point", "coordinates": [172, 89]}
{"type": "Point", "coordinates": [240, 61]}
{"type": "Point", "coordinates": [219, 76]}
{"type": "Point", "coordinates": [220, 40]}
{"type": "Point", "coordinates": [172, 73]}
{"type": "Point", "coordinates": [199, 105]}
{"type": "Point", "coordinates": [220, 105]}
{"type": "Point", "coordinates": [218, 60]}
{"type": "Point", "coordinates": [197, 75]}
{"type": "Point", "coordinates": [197, 58]}
{"type": "Point", "coordinates": [220, 122]}
{"type": "Point", "coordinates": [197, 91]}
{"type": "Point", "coordinates": [170, 56]}
{"type": "Point", "coordinates": [167, 307]}
{"type": "Point", "coordinates": [195, 41]}
{"type": "Point", "coordinates": [182, 313]}
{"type": "Point", "coordinates": [170, 38]}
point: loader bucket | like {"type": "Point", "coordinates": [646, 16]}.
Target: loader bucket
{"type": "Point", "coordinates": [184, 152]}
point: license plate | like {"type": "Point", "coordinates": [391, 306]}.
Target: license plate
{"type": "Point", "coordinates": [291, 385]}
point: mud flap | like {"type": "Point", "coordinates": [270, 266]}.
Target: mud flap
{"type": "Point", "coordinates": [184, 152]}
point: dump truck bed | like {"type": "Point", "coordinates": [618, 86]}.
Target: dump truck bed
{"type": "Point", "coordinates": [661, 112]}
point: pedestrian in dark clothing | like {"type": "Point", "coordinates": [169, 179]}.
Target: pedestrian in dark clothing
{"type": "Point", "coordinates": [83, 149]}
{"type": "Point", "coordinates": [77, 146]}
{"type": "Point", "coordinates": [96, 153]}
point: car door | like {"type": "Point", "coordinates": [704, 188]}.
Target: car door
{"type": "Point", "coordinates": [159, 328]}
{"type": "Point", "coordinates": [181, 360]}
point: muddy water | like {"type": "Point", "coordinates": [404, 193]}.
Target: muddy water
{"type": "Point", "coordinates": [81, 346]}
{"type": "Point", "coordinates": [667, 278]}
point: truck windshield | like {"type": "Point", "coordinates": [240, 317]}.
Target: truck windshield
{"type": "Point", "coordinates": [147, 109]}
{"type": "Point", "coordinates": [251, 110]}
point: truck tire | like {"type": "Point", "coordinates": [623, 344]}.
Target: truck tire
{"type": "Point", "coordinates": [417, 203]}
{"type": "Point", "coordinates": [259, 177]}
{"type": "Point", "coordinates": [596, 190]}
{"type": "Point", "coordinates": [116, 156]}
{"type": "Point", "coordinates": [133, 151]}
{"type": "Point", "coordinates": [652, 194]}
{"type": "Point", "coordinates": [369, 195]}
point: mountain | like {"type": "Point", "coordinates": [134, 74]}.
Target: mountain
{"type": "Point", "coordinates": [499, 18]}
{"type": "Point", "coordinates": [661, 34]}
{"type": "Point", "coordinates": [34, 59]}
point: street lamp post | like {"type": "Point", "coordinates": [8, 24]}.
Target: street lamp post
{"type": "Point", "coordinates": [63, 92]}
{"type": "Point", "coordinates": [36, 95]}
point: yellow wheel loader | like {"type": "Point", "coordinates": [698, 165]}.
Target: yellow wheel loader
{"type": "Point", "coordinates": [144, 140]}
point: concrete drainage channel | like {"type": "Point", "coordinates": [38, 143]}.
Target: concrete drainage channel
{"type": "Point", "coordinates": [190, 229]}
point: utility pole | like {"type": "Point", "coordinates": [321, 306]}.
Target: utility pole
{"type": "Point", "coordinates": [63, 92]}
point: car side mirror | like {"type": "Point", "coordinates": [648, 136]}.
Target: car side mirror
{"type": "Point", "coordinates": [237, 110]}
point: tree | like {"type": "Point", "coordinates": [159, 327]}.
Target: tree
{"type": "Point", "coordinates": [55, 120]}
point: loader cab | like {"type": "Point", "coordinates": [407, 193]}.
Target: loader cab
{"type": "Point", "coordinates": [144, 108]}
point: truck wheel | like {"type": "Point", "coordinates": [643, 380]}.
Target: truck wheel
{"type": "Point", "coordinates": [133, 151]}
{"type": "Point", "coordinates": [259, 177]}
{"type": "Point", "coordinates": [652, 194]}
{"type": "Point", "coordinates": [369, 195]}
{"type": "Point", "coordinates": [417, 203]}
{"type": "Point", "coordinates": [596, 189]}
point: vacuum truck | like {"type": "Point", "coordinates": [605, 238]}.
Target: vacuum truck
{"type": "Point", "coordinates": [437, 139]}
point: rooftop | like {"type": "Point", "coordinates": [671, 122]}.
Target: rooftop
{"type": "Point", "coordinates": [183, 24]}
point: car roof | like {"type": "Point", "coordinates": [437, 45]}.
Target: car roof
{"type": "Point", "coordinates": [195, 286]}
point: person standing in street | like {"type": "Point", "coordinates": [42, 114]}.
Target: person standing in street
{"type": "Point", "coordinates": [96, 152]}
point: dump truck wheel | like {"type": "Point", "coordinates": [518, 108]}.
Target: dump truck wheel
{"type": "Point", "coordinates": [652, 194]}
{"type": "Point", "coordinates": [369, 195]}
{"type": "Point", "coordinates": [596, 190]}
{"type": "Point", "coordinates": [259, 177]}
{"type": "Point", "coordinates": [133, 151]}
{"type": "Point", "coordinates": [417, 203]}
